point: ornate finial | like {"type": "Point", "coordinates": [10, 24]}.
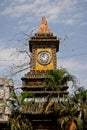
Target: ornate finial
{"type": "Point", "coordinates": [43, 29]}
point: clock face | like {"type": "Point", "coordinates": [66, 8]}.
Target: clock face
{"type": "Point", "coordinates": [44, 57]}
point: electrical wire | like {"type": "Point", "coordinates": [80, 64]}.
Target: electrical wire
{"type": "Point", "coordinates": [80, 54]}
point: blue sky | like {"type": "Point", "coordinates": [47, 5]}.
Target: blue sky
{"type": "Point", "coordinates": [67, 19]}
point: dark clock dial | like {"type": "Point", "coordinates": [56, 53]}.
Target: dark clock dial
{"type": "Point", "coordinates": [44, 57]}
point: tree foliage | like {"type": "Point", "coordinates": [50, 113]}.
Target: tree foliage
{"type": "Point", "coordinates": [71, 111]}
{"type": "Point", "coordinates": [17, 119]}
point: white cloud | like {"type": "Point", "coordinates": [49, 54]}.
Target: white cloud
{"type": "Point", "coordinates": [11, 59]}
{"type": "Point", "coordinates": [63, 11]}
{"type": "Point", "coordinates": [70, 21]}
{"type": "Point", "coordinates": [72, 63]}
{"type": "Point", "coordinates": [49, 8]}
{"type": "Point", "coordinates": [5, 52]}
{"type": "Point", "coordinates": [77, 68]}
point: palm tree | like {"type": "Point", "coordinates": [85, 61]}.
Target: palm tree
{"type": "Point", "coordinates": [17, 119]}
{"type": "Point", "coordinates": [56, 81]}
{"type": "Point", "coordinates": [69, 116]}
{"type": "Point", "coordinates": [65, 107]}
{"type": "Point", "coordinates": [80, 97]}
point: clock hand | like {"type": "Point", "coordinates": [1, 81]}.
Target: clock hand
{"type": "Point", "coordinates": [43, 56]}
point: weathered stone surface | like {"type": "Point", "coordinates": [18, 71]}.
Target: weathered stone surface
{"type": "Point", "coordinates": [43, 29]}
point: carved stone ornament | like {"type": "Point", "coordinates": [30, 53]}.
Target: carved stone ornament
{"type": "Point", "coordinates": [43, 29]}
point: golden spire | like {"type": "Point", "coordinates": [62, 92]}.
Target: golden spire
{"type": "Point", "coordinates": [43, 29]}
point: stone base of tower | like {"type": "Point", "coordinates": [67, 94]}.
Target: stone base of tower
{"type": "Point", "coordinates": [34, 82]}
{"type": "Point", "coordinates": [43, 121]}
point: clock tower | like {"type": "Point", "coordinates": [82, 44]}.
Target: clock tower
{"type": "Point", "coordinates": [43, 47]}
